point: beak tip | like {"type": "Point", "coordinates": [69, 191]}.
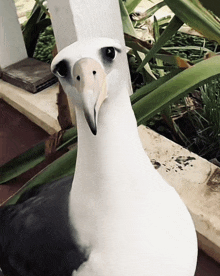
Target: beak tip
{"type": "Point", "coordinates": [94, 131]}
{"type": "Point", "coordinates": [91, 122]}
{"type": "Point", "coordinates": [93, 128]}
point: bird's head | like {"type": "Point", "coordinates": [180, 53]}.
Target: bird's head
{"type": "Point", "coordinates": [87, 70]}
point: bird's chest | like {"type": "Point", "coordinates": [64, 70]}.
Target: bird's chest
{"type": "Point", "coordinates": [147, 240]}
{"type": "Point", "coordinates": [134, 230]}
{"type": "Point", "coordinates": [103, 214]}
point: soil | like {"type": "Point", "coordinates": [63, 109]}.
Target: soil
{"type": "Point", "coordinates": [18, 134]}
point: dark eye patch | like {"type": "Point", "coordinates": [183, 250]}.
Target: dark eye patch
{"type": "Point", "coordinates": [62, 69]}
{"type": "Point", "coordinates": [108, 54]}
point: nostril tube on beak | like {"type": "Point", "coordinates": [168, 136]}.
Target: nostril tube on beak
{"type": "Point", "coordinates": [90, 82]}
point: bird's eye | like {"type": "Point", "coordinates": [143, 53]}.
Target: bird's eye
{"type": "Point", "coordinates": [61, 69]}
{"type": "Point", "coordinates": [108, 53]}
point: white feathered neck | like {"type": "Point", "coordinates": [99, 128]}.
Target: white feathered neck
{"type": "Point", "coordinates": [124, 214]}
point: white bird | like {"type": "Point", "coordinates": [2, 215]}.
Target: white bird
{"type": "Point", "coordinates": [121, 217]}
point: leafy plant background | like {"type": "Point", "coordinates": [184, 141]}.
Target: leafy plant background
{"type": "Point", "coordinates": [175, 78]}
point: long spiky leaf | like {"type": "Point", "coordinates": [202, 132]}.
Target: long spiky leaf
{"type": "Point", "coordinates": [171, 29]}
{"type": "Point", "coordinates": [197, 17]}
{"type": "Point", "coordinates": [176, 88]}
{"type": "Point", "coordinates": [33, 157]}
{"type": "Point", "coordinates": [131, 5]}
{"type": "Point", "coordinates": [64, 166]}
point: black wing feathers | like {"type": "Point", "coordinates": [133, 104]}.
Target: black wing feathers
{"type": "Point", "coordinates": [35, 236]}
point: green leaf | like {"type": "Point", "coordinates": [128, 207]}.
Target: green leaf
{"type": "Point", "coordinates": [126, 21]}
{"type": "Point", "coordinates": [22, 163]}
{"type": "Point", "coordinates": [151, 11]}
{"type": "Point", "coordinates": [29, 34]}
{"type": "Point", "coordinates": [69, 138]}
{"type": "Point", "coordinates": [155, 8]}
{"type": "Point", "coordinates": [171, 29]}
{"type": "Point", "coordinates": [131, 5]}
{"type": "Point", "coordinates": [146, 71]}
{"type": "Point", "coordinates": [40, 4]}
{"type": "Point", "coordinates": [156, 37]}
{"type": "Point", "coordinates": [174, 60]}
{"type": "Point", "coordinates": [175, 88]}
{"type": "Point", "coordinates": [42, 24]}
{"type": "Point", "coordinates": [33, 157]}
{"type": "Point", "coordinates": [197, 17]}
{"type": "Point", "coordinates": [145, 90]}
{"type": "Point", "coordinates": [186, 48]}
{"type": "Point", "coordinates": [144, 47]}
{"type": "Point", "coordinates": [164, 20]}
{"type": "Point", "coordinates": [64, 166]}
{"type": "Point", "coordinates": [137, 44]}
{"type": "Point", "coordinates": [35, 24]}
{"type": "Point", "coordinates": [212, 5]}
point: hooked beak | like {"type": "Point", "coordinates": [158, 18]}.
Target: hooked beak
{"type": "Point", "coordinates": [90, 82]}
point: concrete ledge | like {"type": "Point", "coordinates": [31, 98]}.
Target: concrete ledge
{"type": "Point", "coordinates": [195, 179]}
{"type": "Point", "coordinates": [40, 108]}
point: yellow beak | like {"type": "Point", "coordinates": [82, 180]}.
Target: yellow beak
{"type": "Point", "coordinates": [90, 82]}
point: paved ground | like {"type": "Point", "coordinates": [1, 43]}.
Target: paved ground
{"type": "Point", "coordinates": [17, 133]}
{"type": "Point", "coordinates": [207, 266]}
{"type": "Point", "coordinates": [23, 8]}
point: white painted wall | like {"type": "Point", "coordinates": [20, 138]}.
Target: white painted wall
{"type": "Point", "coordinates": [76, 19]}
{"type": "Point", "coordinates": [12, 48]}
{"type": "Point", "coordinates": [62, 20]}
{"type": "Point", "coordinates": [97, 18]}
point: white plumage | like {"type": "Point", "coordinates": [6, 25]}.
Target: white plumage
{"type": "Point", "coordinates": [126, 218]}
